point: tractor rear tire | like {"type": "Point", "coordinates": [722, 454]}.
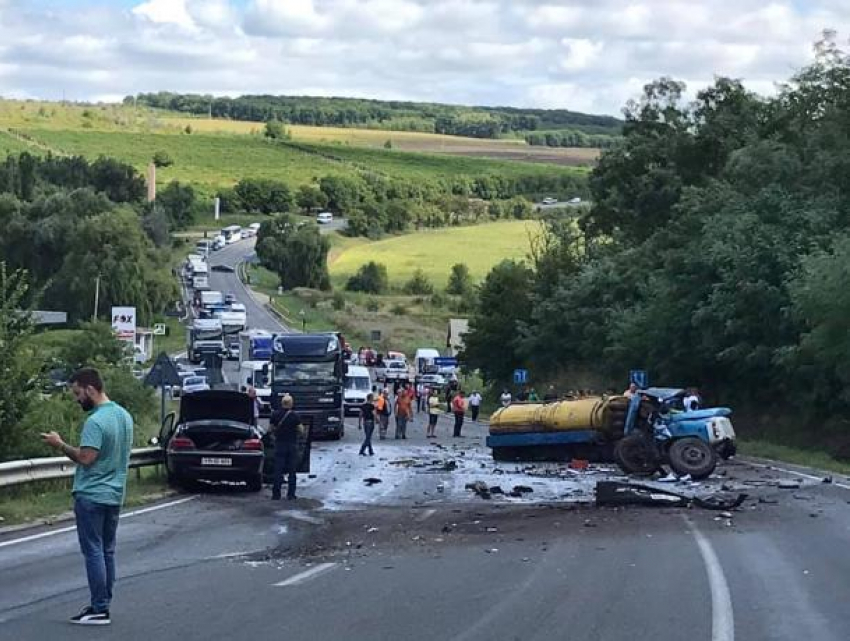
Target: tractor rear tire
{"type": "Point", "coordinates": [636, 454]}
{"type": "Point", "coordinates": [692, 456]}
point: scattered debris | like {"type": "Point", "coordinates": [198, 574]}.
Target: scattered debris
{"type": "Point", "coordinates": [726, 515]}
{"type": "Point", "coordinates": [495, 489]}
{"type": "Point", "coordinates": [579, 464]}
{"type": "Point", "coordinates": [522, 489]}
{"type": "Point", "coordinates": [615, 493]}
{"type": "Point", "coordinates": [788, 485]}
{"type": "Point", "coordinates": [827, 479]}
{"type": "Point", "coordinates": [589, 523]}
{"type": "Point", "coordinates": [492, 529]}
{"type": "Point", "coordinates": [767, 501]}
{"type": "Point", "coordinates": [480, 488]}
{"type": "Point", "coordinates": [372, 481]}
{"type": "Point", "coordinates": [372, 529]}
{"type": "Point", "coordinates": [491, 550]}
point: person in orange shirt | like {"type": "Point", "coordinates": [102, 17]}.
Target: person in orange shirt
{"type": "Point", "coordinates": [458, 409]}
{"type": "Point", "coordinates": [403, 412]}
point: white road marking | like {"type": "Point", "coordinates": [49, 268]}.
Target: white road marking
{"type": "Point", "coordinates": [427, 514]}
{"type": "Point", "coordinates": [803, 475]}
{"type": "Point", "coordinates": [71, 528]}
{"type": "Point", "coordinates": [722, 616]}
{"type": "Point", "coordinates": [298, 515]}
{"type": "Point", "coordinates": [307, 574]}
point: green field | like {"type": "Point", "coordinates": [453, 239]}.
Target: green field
{"type": "Point", "coordinates": [435, 251]}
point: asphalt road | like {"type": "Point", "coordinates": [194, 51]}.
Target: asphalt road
{"type": "Point", "coordinates": [418, 556]}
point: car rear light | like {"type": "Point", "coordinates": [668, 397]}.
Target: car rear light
{"type": "Point", "coordinates": [181, 443]}
{"type": "Point", "coordinates": [252, 444]}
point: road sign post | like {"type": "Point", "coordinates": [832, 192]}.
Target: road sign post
{"type": "Point", "coordinates": [520, 376]}
{"type": "Point", "coordinates": [639, 377]}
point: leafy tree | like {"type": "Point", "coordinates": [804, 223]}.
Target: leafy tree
{"type": "Point", "coordinates": [371, 278]}
{"type": "Point", "coordinates": [344, 193]}
{"type": "Point", "coordinates": [460, 281]}
{"type": "Point", "coordinates": [296, 252]}
{"type": "Point", "coordinates": [177, 201]}
{"type": "Point", "coordinates": [504, 304]}
{"type": "Point", "coordinates": [162, 159]}
{"type": "Point", "coordinates": [418, 285]}
{"type": "Point", "coordinates": [263, 196]}
{"type": "Point", "coordinates": [275, 130]}
{"type": "Point", "coordinates": [310, 198]}
{"type": "Point", "coordinates": [19, 373]}
{"type": "Point", "coordinates": [94, 344]}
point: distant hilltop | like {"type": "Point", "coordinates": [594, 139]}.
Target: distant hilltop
{"type": "Point", "coordinates": [552, 127]}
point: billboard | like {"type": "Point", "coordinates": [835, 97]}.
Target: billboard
{"type": "Point", "coordinates": [124, 323]}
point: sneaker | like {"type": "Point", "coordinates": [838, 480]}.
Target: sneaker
{"type": "Point", "coordinates": [88, 616]}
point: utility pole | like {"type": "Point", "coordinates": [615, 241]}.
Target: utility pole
{"type": "Point", "coordinates": [96, 298]}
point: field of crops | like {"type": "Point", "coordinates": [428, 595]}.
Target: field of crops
{"type": "Point", "coordinates": [435, 251]}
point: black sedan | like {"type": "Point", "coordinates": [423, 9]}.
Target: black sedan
{"type": "Point", "coordinates": [213, 439]}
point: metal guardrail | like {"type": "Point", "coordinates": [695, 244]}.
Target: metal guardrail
{"type": "Point", "coordinates": [58, 467]}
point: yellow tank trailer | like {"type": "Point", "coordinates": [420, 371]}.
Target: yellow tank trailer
{"type": "Point", "coordinates": [604, 415]}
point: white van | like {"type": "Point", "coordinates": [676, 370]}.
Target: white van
{"type": "Point", "coordinates": [358, 385]}
{"type": "Point", "coordinates": [324, 218]}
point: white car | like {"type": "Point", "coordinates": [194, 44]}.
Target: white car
{"type": "Point", "coordinates": [246, 233]}
{"type": "Point", "coordinates": [195, 384]}
{"type": "Point", "coordinates": [324, 218]}
{"type": "Point", "coordinates": [574, 201]}
{"type": "Point", "coordinates": [549, 201]}
{"type": "Point", "coordinates": [254, 228]}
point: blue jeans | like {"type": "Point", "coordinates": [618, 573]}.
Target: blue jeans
{"type": "Point", "coordinates": [96, 527]}
{"type": "Point", "coordinates": [284, 463]}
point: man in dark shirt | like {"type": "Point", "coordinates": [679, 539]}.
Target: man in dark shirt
{"type": "Point", "coordinates": [285, 424]}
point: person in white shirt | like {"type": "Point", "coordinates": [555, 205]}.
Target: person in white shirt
{"type": "Point", "coordinates": [505, 398]}
{"type": "Point", "coordinates": [691, 402]}
{"type": "Point", "coordinates": [474, 404]}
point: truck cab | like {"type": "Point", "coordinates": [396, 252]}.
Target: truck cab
{"type": "Point", "coordinates": [205, 336]}
{"type": "Point", "coordinates": [311, 369]}
{"type": "Point", "coordinates": [257, 374]}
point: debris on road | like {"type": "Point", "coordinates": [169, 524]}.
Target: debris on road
{"type": "Point", "coordinates": [480, 488]}
{"type": "Point", "coordinates": [788, 485]}
{"type": "Point", "coordinates": [616, 494]}
{"type": "Point", "coordinates": [372, 481]}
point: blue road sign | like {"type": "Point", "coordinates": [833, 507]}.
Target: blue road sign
{"type": "Point", "coordinates": [445, 361]}
{"type": "Point", "coordinates": [639, 377]}
{"type": "Point", "coordinates": [520, 376]}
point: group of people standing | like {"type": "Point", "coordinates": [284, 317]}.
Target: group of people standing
{"type": "Point", "coordinates": [380, 406]}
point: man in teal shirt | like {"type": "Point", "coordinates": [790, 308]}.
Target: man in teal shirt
{"type": "Point", "coordinates": [99, 482]}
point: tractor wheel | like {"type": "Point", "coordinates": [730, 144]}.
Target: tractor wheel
{"type": "Point", "coordinates": [637, 454]}
{"type": "Point", "coordinates": [692, 456]}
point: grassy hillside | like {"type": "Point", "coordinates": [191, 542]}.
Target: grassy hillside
{"type": "Point", "coordinates": [435, 251]}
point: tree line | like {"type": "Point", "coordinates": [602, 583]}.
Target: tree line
{"type": "Point", "coordinates": [715, 254]}
{"type": "Point", "coordinates": [67, 221]}
{"type": "Point", "coordinates": [477, 122]}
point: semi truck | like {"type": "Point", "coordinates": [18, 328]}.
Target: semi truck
{"type": "Point", "coordinates": [640, 433]}
{"type": "Point", "coordinates": [204, 337]}
{"type": "Point", "coordinates": [311, 368]}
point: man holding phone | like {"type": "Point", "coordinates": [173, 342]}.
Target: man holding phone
{"type": "Point", "coordinates": [99, 484]}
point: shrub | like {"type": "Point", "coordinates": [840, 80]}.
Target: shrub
{"type": "Point", "coordinates": [162, 159]}
{"type": "Point", "coordinates": [370, 278]}
{"type": "Point", "coordinates": [418, 284]}
{"type": "Point", "coordinates": [372, 305]}
{"type": "Point", "coordinates": [338, 301]}
{"type": "Point", "coordinates": [398, 309]}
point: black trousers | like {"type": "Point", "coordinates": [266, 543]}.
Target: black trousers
{"type": "Point", "coordinates": [284, 463]}
{"type": "Point", "coordinates": [368, 430]}
{"type": "Point", "coordinates": [474, 409]}
{"type": "Point", "coordinates": [458, 423]}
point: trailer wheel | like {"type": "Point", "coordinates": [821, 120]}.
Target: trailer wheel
{"type": "Point", "coordinates": [637, 454]}
{"type": "Point", "coordinates": [692, 456]}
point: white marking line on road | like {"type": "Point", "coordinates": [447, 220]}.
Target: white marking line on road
{"type": "Point", "coordinates": [427, 514]}
{"type": "Point", "coordinates": [307, 574]}
{"type": "Point", "coordinates": [300, 516]}
{"type": "Point", "coordinates": [722, 616]}
{"type": "Point", "coordinates": [71, 528]}
{"type": "Point", "coordinates": [800, 474]}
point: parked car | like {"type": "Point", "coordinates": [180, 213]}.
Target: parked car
{"type": "Point", "coordinates": [246, 233]}
{"type": "Point", "coordinates": [233, 350]}
{"type": "Point", "coordinates": [193, 384]}
{"type": "Point", "coordinates": [324, 218]}
{"type": "Point", "coordinates": [213, 438]}
{"type": "Point", "coordinates": [254, 227]}
{"type": "Point", "coordinates": [395, 370]}
{"type": "Point", "coordinates": [227, 269]}
{"type": "Point", "coordinates": [549, 201]}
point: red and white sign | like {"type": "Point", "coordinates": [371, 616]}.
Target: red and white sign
{"type": "Point", "coordinates": [124, 323]}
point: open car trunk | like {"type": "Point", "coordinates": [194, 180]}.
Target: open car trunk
{"type": "Point", "coordinates": [219, 436]}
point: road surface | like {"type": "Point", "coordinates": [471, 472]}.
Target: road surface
{"type": "Point", "coordinates": [418, 556]}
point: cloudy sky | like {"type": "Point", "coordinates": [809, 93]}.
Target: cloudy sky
{"type": "Point", "coordinates": [586, 55]}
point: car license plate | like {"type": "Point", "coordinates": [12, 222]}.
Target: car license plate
{"type": "Point", "coordinates": [216, 461]}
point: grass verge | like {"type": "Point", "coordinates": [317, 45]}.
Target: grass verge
{"type": "Point", "coordinates": [48, 500]}
{"type": "Point", "coordinates": [794, 455]}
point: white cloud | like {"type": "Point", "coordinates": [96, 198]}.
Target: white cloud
{"type": "Point", "coordinates": [166, 12]}
{"type": "Point", "coordinates": [579, 54]}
